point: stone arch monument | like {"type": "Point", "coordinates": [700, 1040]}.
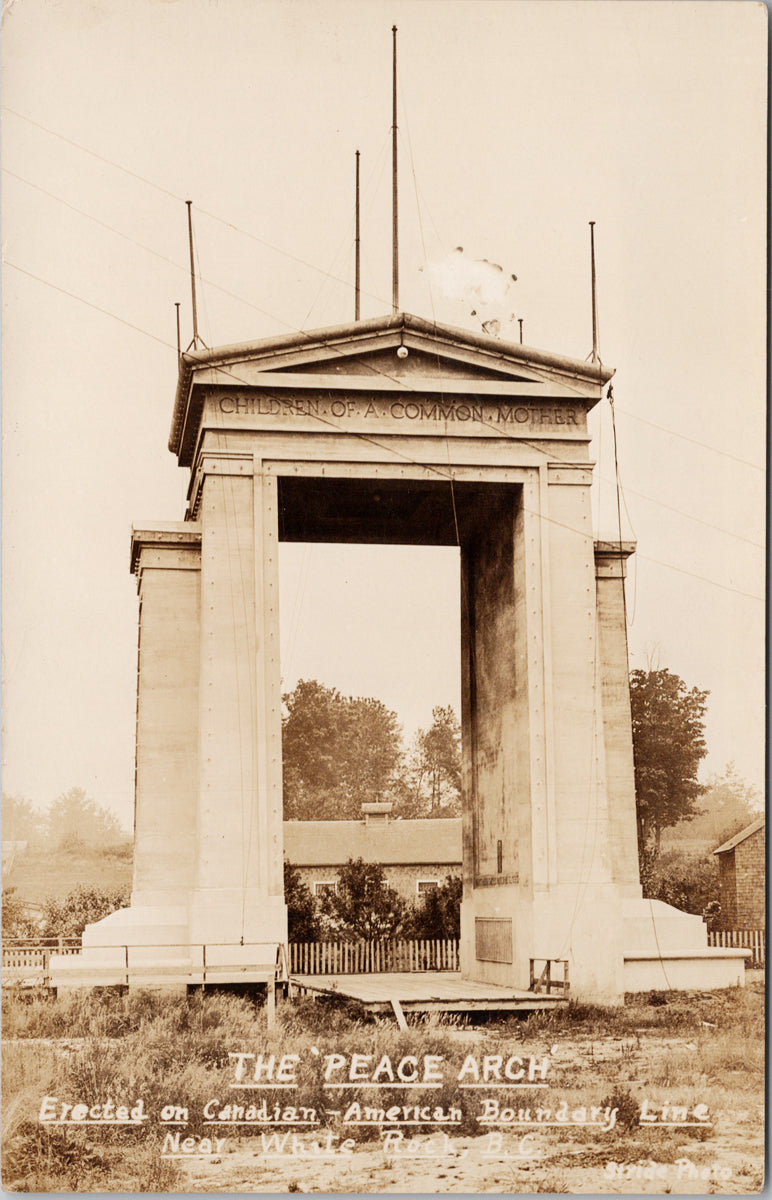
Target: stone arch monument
{"type": "Point", "coordinates": [396, 430]}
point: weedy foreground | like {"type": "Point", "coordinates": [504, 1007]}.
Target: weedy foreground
{"type": "Point", "coordinates": [597, 1115]}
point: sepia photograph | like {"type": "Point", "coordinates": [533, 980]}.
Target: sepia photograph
{"type": "Point", "coordinates": [384, 397]}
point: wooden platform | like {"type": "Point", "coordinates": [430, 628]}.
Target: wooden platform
{"type": "Point", "coordinates": [423, 991]}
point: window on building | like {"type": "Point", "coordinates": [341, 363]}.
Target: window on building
{"type": "Point", "coordinates": [426, 885]}
{"type": "Point", "coordinates": [325, 885]}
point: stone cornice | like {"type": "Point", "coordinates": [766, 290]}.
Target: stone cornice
{"type": "Point", "coordinates": [379, 333]}
{"type": "Point", "coordinates": [611, 559]}
{"type": "Point", "coordinates": [166, 535]}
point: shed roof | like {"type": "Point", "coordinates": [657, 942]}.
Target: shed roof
{"type": "Point", "coordinates": [742, 835]}
{"type": "Point", "coordinates": [332, 843]}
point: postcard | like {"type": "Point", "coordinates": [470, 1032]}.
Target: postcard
{"type": "Point", "coordinates": [384, 507]}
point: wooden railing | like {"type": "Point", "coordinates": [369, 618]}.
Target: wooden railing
{"type": "Point", "coordinates": [195, 963]}
{"type": "Point", "coordinates": [22, 957]}
{"type": "Point", "coordinates": [359, 958]}
{"type": "Point", "coordinates": [751, 939]}
{"type": "Point", "coordinates": [543, 981]}
{"type": "Point", "coordinates": [29, 956]}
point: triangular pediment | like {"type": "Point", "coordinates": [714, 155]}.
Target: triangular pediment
{"type": "Point", "coordinates": [386, 362]}
{"type": "Point", "coordinates": [400, 351]}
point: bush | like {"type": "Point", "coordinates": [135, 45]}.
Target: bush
{"type": "Point", "coordinates": [303, 924]}
{"type": "Point", "coordinates": [81, 907]}
{"type": "Point", "coordinates": [628, 1108]}
{"type": "Point", "coordinates": [16, 923]}
{"type": "Point", "coordinates": [439, 913]}
{"type": "Point", "coordinates": [364, 906]}
{"type": "Point", "coordinates": [687, 881]}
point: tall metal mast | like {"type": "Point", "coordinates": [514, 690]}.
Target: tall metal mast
{"type": "Point", "coordinates": [192, 274]}
{"type": "Point", "coordinates": [394, 202]}
{"type": "Point", "coordinates": [595, 356]}
{"type": "Point", "coordinates": [356, 244]}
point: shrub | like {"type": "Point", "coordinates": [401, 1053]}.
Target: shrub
{"type": "Point", "coordinates": [365, 905]}
{"type": "Point", "coordinates": [628, 1108]}
{"type": "Point", "coordinates": [687, 881]}
{"type": "Point", "coordinates": [439, 913]}
{"type": "Point", "coordinates": [81, 907]}
{"type": "Point", "coordinates": [15, 921]}
{"type": "Point", "coordinates": [303, 922]}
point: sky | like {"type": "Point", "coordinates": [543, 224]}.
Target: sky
{"type": "Point", "coordinates": [518, 124]}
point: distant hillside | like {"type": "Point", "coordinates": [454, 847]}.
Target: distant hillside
{"type": "Point", "coordinates": [680, 837]}
{"type": "Point", "coordinates": [728, 805]}
{"type": "Point", "coordinates": [705, 832]}
{"type": "Point", "coordinates": [37, 873]}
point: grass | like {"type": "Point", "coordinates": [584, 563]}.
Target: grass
{"type": "Point", "coordinates": [165, 1050]}
{"type": "Point", "coordinates": [40, 874]}
{"type": "Point", "coordinates": [676, 1012]}
{"type": "Point", "coordinates": [41, 1160]}
{"type": "Point", "coordinates": [105, 1013]}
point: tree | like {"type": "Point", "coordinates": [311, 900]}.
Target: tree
{"type": "Point", "coordinates": [21, 822]}
{"type": "Point", "coordinates": [439, 913]}
{"type": "Point", "coordinates": [728, 805]}
{"type": "Point", "coordinates": [668, 746]}
{"type": "Point", "coordinates": [303, 922]}
{"type": "Point", "coordinates": [434, 775]}
{"type": "Point", "coordinates": [338, 752]}
{"type": "Point", "coordinates": [364, 906]}
{"type": "Point", "coordinates": [81, 907]}
{"type": "Point", "coordinates": [689, 882]}
{"type": "Point", "coordinates": [16, 923]}
{"type": "Point", "coordinates": [75, 820]}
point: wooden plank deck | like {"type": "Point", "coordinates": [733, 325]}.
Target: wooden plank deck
{"type": "Point", "coordinates": [423, 991]}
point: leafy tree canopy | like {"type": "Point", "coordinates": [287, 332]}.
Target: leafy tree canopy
{"type": "Point", "coordinates": [668, 746]}
{"type": "Point", "coordinates": [338, 752]}
{"type": "Point", "coordinates": [74, 820]}
{"type": "Point", "coordinates": [728, 805]}
{"type": "Point", "coordinates": [21, 822]}
{"type": "Point", "coordinates": [364, 906]}
{"type": "Point", "coordinates": [303, 920]}
{"type": "Point", "coordinates": [84, 905]}
{"type": "Point", "coordinates": [432, 784]}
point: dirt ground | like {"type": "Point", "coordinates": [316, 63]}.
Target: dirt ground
{"type": "Point", "coordinates": [726, 1158]}
{"type": "Point", "coordinates": [557, 1165]}
{"type": "Point", "coordinates": [666, 1096]}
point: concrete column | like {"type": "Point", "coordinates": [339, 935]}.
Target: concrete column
{"type": "Point", "coordinates": [579, 917]}
{"type": "Point", "coordinates": [539, 875]}
{"type": "Point", "coordinates": [167, 562]}
{"type": "Point", "coordinates": [239, 860]}
{"type": "Point", "coordinates": [269, 758]}
{"type": "Point", "coordinates": [582, 847]}
{"type": "Point", "coordinates": [576, 910]}
{"type": "Point", "coordinates": [500, 771]}
{"type": "Point", "coordinates": [610, 571]}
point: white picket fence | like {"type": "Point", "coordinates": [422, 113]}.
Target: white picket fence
{"type": "Point", "coordinates": [22, 960]}
{"type": "Point", "coordinates": [751, 939]}
{"type": "Point", "coordinates": [359, 958]}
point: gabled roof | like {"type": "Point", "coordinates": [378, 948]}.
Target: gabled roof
{"type": "Point", "coordinates": [351, 349]}
{"type": "Point", "coordinates": [742, 835]}
{"type": "Point", "coordinates": [332, 843]}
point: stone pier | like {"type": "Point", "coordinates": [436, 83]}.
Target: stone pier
{"type": "Point", "coordinates": [341, 436]}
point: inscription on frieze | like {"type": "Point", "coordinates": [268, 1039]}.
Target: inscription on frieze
{"type": "Point", "coordinates": [424, 410]}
